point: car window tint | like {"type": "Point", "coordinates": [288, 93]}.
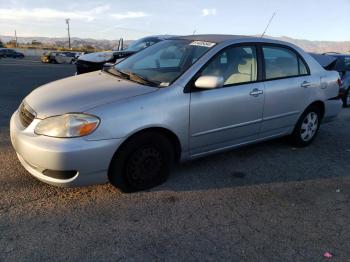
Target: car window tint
{"type": "Point", "coordinates": [236, 65]}
{"type": "Point", "coordinates": [280, 62]}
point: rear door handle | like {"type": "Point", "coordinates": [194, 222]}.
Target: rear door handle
{"type": "Point", "coordinates": [305, 84]}
{"type": "Point", "coordinates": [256, 92]}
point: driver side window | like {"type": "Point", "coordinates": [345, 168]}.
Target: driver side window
{"type": "Point", "coordinates": [235, 64]}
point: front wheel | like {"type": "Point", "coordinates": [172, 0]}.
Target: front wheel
{"type": "Point", "coordinates": [307, 127]}
{"type": "Point", "coordinates": [143, 162]}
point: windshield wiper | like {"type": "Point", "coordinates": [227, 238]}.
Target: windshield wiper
{"type": "Point", "coordinates": [116, 72]}
{"type": "Point", "coordinates": [141, 79]}
{"type": "Point", "coordinates": [131, 76]}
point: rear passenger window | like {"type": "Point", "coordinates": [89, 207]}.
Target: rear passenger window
{"type": "Point", "coordinates": [281, 62]}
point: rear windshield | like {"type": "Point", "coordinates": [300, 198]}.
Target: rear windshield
{"type": "Point", "coordinates": [343, 63]}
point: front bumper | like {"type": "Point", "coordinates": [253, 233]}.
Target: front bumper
{"type": "Point", "coordinates": [90, 159]}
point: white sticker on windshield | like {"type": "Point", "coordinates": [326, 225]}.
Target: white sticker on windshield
{"type": "Point", "coordinates": [202, 43]}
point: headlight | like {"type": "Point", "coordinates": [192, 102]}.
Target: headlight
{"type": "Point", "coordinates": [68, 125]}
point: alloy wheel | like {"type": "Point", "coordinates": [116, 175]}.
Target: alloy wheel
{"type": "Point", "coordinates": [309, 126]}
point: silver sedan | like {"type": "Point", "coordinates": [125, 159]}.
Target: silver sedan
{"type": "Point", "coordinates": [180, 99]}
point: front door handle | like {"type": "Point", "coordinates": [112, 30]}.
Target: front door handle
{"type": "Point", "coordinates": [256, 92]}
{"type": "Point", "coordinates": [305, 84]}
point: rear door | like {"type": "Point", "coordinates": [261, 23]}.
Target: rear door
{"type": "Point", "coordinates": [287, 86]}
{"type": "Point", "coordinates": [230, 115]}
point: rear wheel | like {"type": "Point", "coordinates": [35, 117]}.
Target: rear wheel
{"type": "Point", "coordinates": [307, 127]}
{"type": "Point", "coordinates": [143, 162]}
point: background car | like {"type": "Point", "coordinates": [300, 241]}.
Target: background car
{"type": "Point", "coordinates": [341, 63]}
{"type": "Point", "coordinates": [5, 52]}
{"type": "Point", "coordinates": [67, 57]}
{"type": "Point", "coordinates": [49, 57]}
{"type": "Point", "coordinates": [94, 61]}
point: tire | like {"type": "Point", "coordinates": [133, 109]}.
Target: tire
{"type": "Point", "coordinates": [346, 99]}
{"type": "Point", "coordinates": [307, 127]}
{"type": "Point", "coordinates": [142, 163]}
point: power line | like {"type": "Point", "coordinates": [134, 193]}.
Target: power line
{"type": "Point", "coordinates": [16, 42]}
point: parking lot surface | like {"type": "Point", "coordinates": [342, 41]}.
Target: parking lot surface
{"type": "Point", "coordinates": [268, 202]}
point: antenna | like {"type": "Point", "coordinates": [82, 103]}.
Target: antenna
{"type": "Point", "coordinates": [268, 24]}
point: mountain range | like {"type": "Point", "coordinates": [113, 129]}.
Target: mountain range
{"type": "Point", "coordinates": [310, 46]}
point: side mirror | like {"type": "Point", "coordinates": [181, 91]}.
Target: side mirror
{"type": "Point", "coordinates": [209, 82]}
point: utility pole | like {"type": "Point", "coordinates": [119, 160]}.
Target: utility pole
{"type": "Point", "coordinates": [16, 43]}
{"type": "Point", "coordinates": [67, 22]}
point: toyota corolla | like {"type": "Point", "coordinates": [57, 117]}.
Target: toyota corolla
{"type": "Point", "coordinates": [180, 99]}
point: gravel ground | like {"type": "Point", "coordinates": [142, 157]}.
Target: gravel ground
{"type": "Point", "coordinates": [267, 202]}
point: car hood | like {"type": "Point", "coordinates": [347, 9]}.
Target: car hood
{"type": "Point", "coordinates": [103, 57]}
{"type": "Point", "coordinates": [97, 57]}
{"type": "Point", "coordinates": [81, 93]}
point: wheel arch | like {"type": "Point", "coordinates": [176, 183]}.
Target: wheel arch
{"type": "Point", "coordinates": [319, 104]}
{"type": "Point", "coordinates": [173, 138]}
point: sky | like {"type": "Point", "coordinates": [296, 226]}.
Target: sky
{"type": "Point", "coordinates": [131, 19]}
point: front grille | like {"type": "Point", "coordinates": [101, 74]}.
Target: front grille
{"type": "Point", "coordinates": [26, 114]}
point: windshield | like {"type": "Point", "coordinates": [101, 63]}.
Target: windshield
{"type": "Point", "coordinates": [163, 63]}
{"type": "Point", "coordinates": [141, 44]}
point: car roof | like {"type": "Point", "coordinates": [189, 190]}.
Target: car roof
{"type": "Point", "coordinates": [215, 38]}
{"type": "Point", "coordinates": [339, 55]}
{"type": "Point", "coordinates": [162, 37]}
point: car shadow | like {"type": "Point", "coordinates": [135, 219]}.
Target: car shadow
{"type": "Point", "coordinates": [274, 161]}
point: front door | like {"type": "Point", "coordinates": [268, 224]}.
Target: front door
{"type": "Point", "coordinates": [230, 115]}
